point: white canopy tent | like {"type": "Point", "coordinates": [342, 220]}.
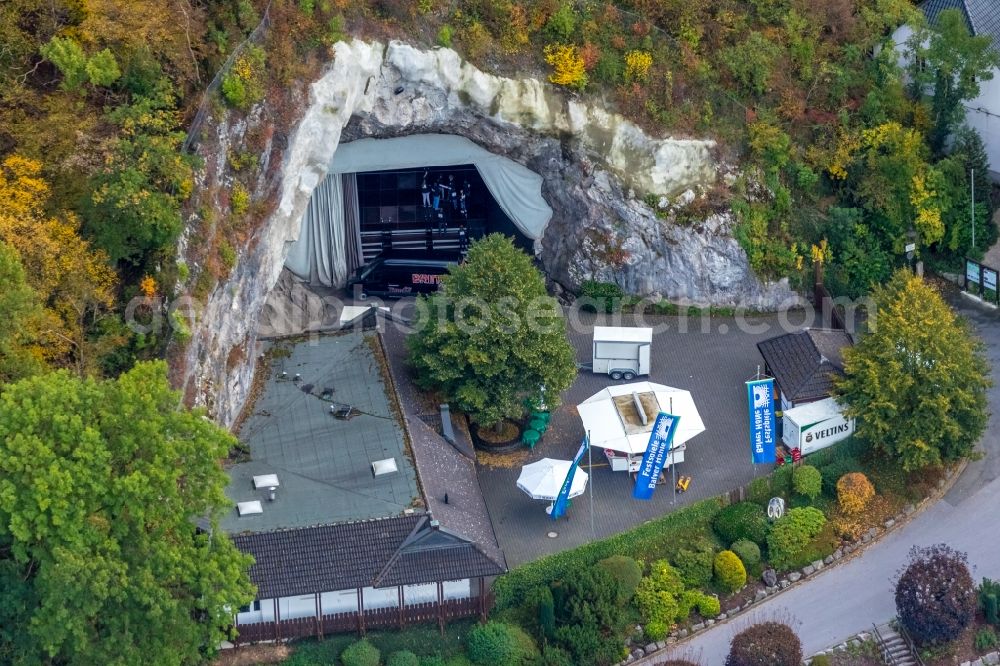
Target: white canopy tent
{"type": "Point", "coordinates": [612, 420]}
{"type": "Point", "coordinates": [321, 254]}
{"type": "Point", "coordinates": [544, 479]}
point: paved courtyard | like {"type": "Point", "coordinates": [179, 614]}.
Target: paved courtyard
{"type": "Point", "coordinates": [712, 358]}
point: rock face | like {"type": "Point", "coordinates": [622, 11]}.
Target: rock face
{"type": "Point", "coordinates": [592, 163]}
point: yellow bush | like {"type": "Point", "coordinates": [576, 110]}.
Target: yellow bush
{"type": "Point", "coordinates": [854, 493]}
{"type": "Point", "coordinates": [147, 286]}
{"type": "Point", "coordinates": [239, 200]}
{"type": "Point", "coordinates": [637, 64]}
{"type": "Point", "coordinates": [567, 65]}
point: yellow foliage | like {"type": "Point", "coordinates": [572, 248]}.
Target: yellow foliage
{"type": "Point", "coordinates": [928, 221]}
{"type": "Point", "coordinates": [73, 281]}
{"type": "Point", "coordinates": [567, 64]}
{"type": "Point", "coordinates": [854, 492]}
{"type": "Point", "coordinates": [821, 253]}
{"type": "Point", "coordinates": [637, 64]}
{"type": "Point", "coordinates": [843, 155]}
{"type": "Point", "coordinates": [147, 286]}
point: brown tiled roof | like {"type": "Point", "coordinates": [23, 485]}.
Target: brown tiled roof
{"type": "Point", "coordinates": [804, 364]}
{"type": "Point", "coordinates": [386, 552]}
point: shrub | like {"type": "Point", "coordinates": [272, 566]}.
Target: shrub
{"type": "Point", "coordinates": [657, 596]}
{"type": "Point", "coordinates": [854, 492]}
{"type": "Point", "coordinates": [588, 645]}
{"type": "Point", "coordinates": [709, 606]}
{"type": "Point", "coordinates": [781, 481]}
{"type": "Point", "coordinates": [498, 643]}
{"type": "Point", "coordinates": [832, 472]}
{"type": "Point", "coordinates": [568, 67]}
{"type": "Point", "coordinates": [606, 296]}
{"type": "Point", "coordinates": [239, 200]}
{"type": "Point", "coordinates": [677, 662]}
{"type": "Point", "coordinates": [243, 85]}
{"type": "Point", "coordinates": [986, 640]}
{"type": "Point", "coordinates": [729, 571]}
{"type": "Point", "coordinates": [793, 532]}
{"type": "Point", "coordinates": [626, 572]}
{"type": "Point", "coordinates": [444, 36]}
{"type": "Point", "coordinates": [402, 658]}
{"type": "Point", "coordinates": [759, 491]}
{"type": "Point", "coordinates": [745, 520]}
{"type": "Point", "coordinates": [476, 40]}
{"type": "Point", "coordinates": [747, 551]}
{"type": "Point", "coordinates": [989, 593]}
{"type": "Point", "coordinates": [361, 653]}
{"type": "Point", "coordinates": [822, 660]}
{"type": "Point", "coordinates": [770, 643]}
{"type": "Point", "coordinates": [555, 656]}
{"type": "Point", "coordinates": [935, 595]}
{"type": "Point", "coordinates": [562, 22]}
{"type": "Point", "coordinates": [807, 481]}
{"type": "Point", "coordinates": [546, 613]}
{"type": "Point", "coordinates": [637, 64]}
{"type": "Point", "coordinates": [694, 566]}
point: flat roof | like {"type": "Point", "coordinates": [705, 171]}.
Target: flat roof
{"type": "Point", "coordinates": [622, 334]}
{"type": "Point", "coordinates": [323, 464]}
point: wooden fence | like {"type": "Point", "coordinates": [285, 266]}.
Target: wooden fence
{"type": "Point", "coordinates": [372, 618]}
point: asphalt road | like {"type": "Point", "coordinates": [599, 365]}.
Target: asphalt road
{"type": "Point", "coordinates": [844, 600]}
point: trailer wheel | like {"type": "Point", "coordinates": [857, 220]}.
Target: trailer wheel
{"type": "Point", "coordinates": [628, 376]}
{"type": "Point", "coordinates": [362, 296]}
{"type": "Point", "coordinates": [616, 375]}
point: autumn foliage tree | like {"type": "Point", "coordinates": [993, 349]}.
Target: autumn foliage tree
{"type": "Point", "coordinates": [72, 281]}
{"type": "Point", "coordinates": [854, 493]}
{"type": "Point", "coordinates": [935, 594]}
{"type": "Point", "coordinates": [916, 382]}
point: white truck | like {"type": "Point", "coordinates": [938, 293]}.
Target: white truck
{"type": "Point", "coordinates": [814, 426]}
{"type": "Point", "coordinates": [622, 352]}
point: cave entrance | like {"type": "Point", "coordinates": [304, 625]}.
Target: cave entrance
{"type": "Point", "coordinates": [422, 196]}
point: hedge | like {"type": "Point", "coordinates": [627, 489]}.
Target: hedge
{"type": "Point", "coordinates": [656, 539]}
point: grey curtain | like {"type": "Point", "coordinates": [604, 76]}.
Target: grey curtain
{"type": "Point", "coordinates": [318, 255]}
{"type": "Point", "coordinates": [352, 222]}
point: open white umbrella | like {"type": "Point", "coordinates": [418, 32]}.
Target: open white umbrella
{"type": "Point", "coordinates": [543, 479]}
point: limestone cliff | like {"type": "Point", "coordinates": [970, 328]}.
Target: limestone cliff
{"type": "Point", "coordinates": [592, 162]}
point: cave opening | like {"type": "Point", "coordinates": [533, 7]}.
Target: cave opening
{"type": "Point", "coordinates": [413, 202]}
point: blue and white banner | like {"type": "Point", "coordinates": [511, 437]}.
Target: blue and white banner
{"type": "Point", "coordinates": [559, 506]}
{"type": "Point", "coordinates": [760, 399]}
{"type": "Point", "coordinates": [655, 457]}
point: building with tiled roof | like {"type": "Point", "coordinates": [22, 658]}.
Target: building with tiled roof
{"type": "Point", "coordinates": [805, 364]}
{"type": "Point", "coordinates": [344, 533]}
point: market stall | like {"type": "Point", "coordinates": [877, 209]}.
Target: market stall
{"type": "Point", "coordinates": [619, 420]}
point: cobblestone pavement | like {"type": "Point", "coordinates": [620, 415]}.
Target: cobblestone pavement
{"type": "Point", "coordinates": [712, 359]}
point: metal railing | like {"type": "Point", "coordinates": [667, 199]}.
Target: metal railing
{"type": "Point", "coordinates": [909, 642]}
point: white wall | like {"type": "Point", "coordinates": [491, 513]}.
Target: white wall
{"type": "Point", "coordinates": [982, 114]}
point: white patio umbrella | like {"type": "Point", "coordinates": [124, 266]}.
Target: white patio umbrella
{"type": "Point", "coordinates": [543, 479]}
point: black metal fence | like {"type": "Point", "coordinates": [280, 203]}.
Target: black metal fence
{"type": "Point", "coordinates": [981, 281]}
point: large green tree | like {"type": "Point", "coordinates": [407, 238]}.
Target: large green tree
{"type": "Point", "coordinates": [20, 322]}
{"type": "Point", "coordinates": [916, 382]}
{"type": "Point", "coordinates": [492, 336]}
{"type": "Point", "coordinates": [947, 59]}
{"type": "Point", "coordinates": [102, 487]}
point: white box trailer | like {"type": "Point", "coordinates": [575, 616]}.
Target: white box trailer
{"type": "Point", "coordinates": [815, 426]}
{"type": "Point", "coordinates": [622, 352]}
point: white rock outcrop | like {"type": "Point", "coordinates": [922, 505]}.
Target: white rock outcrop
{"type": "Point", "coordinates": [591, 162]}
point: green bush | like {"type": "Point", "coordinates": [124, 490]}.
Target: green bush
{"type": "Point", "coordinates": [747, 551]}
{"type": "Point", "coordinates": [434, 661]}
{"type": "Point", "coordinates": [695, 566]}
{"type": "Point", "coordinates": [498, 643]}
{"type": "Point", "coordinates": [606, 296]}
{"type": "Point", "coordinates": [243, 85]}
{"type": "Point", "coordinates": [626, 572]}
{"type": "Point", "coordinates": [709, 606]}
{"type": "Point", "coordinates": [792, 533]}
{"type": "Point", "coordinates": [759, 491]}
{"type": "Point", "coordinates": [729, 571]}
{"type": "Point", "coordinates": [402, 658]}
{"type": "Point", "coordinates": [986, 640]}
{"type": "Point", "coordinates": [745, 520]}
{"type": "Point", "coordinates": [658, 598]}
{"type": "Point", "coordinates": [807, 481]}
{"type": "Point", "coordinates": [822, 660]}
{"type": "Point", "coordinates": [445, 35]}
{"type": "Point", "coordinates": [832, 472]}
{"type": "Point", "coordinates": [658, 538]}
{"type": "Point", "coordinates": [562, 22]}
{"type": "Point", "coordinates": [988, 593]}
{"type": "Point", "coordinates": [555, 656]}
{"type": "Point", "coordinates": [361, 653]}
{"type": "Point", "coordinates": [781, 481]}
{"type": "Point", "coordinates": [546, 613]}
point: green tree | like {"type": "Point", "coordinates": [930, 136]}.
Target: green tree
{"type": "Point", "coordinates": [948, 59]}
{"type": "Point", "coordinates": [916, 382]}
{"type": "Point", "coordinates": [22, 317]}
{"type": "Point", "coordinates": [135, 204]}
{"type": "Point", "coordinates": [68, 57]}
{"type": "Point", "coordinates": [807, 481]}
{"type": "Point", "coordinates": [102, 484]}
{"type": "Point", "coordinates": [102, 68]}
{"type": "Point", "coordinates": [492, 336]}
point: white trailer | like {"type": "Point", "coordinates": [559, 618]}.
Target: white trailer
{"type": "Point", "coordinates": [815, 425]}
{"type": "Point", "coordinates": [622, 352]}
